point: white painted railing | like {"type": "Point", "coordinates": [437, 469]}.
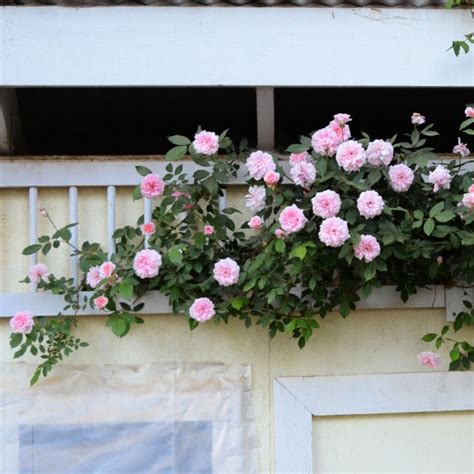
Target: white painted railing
{"type": "Point", "coordinates": [72, 174]}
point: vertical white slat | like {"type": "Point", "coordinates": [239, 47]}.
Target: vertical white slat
{"type": "Point", "coordinates": [73, 217]}
{"type": "Point", "coordinates": [265, 118]}
{"type": "Point", "coordinates": [148, 210]}
{"type": "Point", "coordinates": [111, 195]}
{"type": "Point", "coordinates": [223, 199]}
{"type": "Point", "coordinates": [33, 218]}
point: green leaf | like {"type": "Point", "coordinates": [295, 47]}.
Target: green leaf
{"type": "Point", "coordinates": [15, 340]}
{"type": "Point", "coordinates": [454, 355]}
{"type": "Point", "coordinates": [436, 209]}
{"type": "Point", "coordinates": [418, 214]}
{"type": "Point", "coordinates": [429, 337]}
{"type": "Point", "coordinates": [143, 170]}
{"type": "Point", "coordinates": [31, 249]}
{"type": "Point", "coordinates": [238, 302]}
{"type": "Point", "coordinates": [175, 256]}
{"type": "Point", "coordinates": [179, 140]}
{"type": "Point", "coordinates": [369, 272]}
{"type": "Point", "coordinates": [298, 252]}
{"type": "Point", "coordinates": [429, 226]}
{"type": "Point", "coordinates": [297, 148]}
{"type": "Point", "coordinates": [125, 290]}
{"type": "Point", "coordinates": [322, 166]}
{"type": "Point", "coordinates": [445, 216]}
{"type": "Point", "coordinates": [280, 245]}
{"type": "Point", "coordinates": [119, 327]}
{"type": "Point", "coordinates": [176, 153]}
{"type": "Point", "coordinates": [35, 377]}
{"type": "Point", "coordinates": [137, 193]}
{"type": "Point", "coordinates": [250, 285]}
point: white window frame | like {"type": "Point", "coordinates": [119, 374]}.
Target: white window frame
{"type": "Point", "coordinates": [298, 399]}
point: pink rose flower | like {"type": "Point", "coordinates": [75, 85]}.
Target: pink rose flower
{"type": "Point", "coordinates": [418, 119]}
{"type": "Point", "coordinates": [208, 229]}
{"type": "Point", "coordinates": [368, 248]}
{"type": "Point", "coordinates": [440, 178]}
{"type": "Point", "coordinates": [255, 199]}
{"type": "Point", "coordinates": [38, 272]}
{"type": "Point", "coordinates": [462, 149]}
{"type": "Point", "coordinates": [279, 233]}
{"type": "Point", "coordinates": [202, 309]}
{"type": "Point", "coordinates": [342, 119]}
{"type": "Point", "coordinates": [147, 263]}
{"type": "Point", "coordinates": [379, 153]}
{"type": "Point", "coordinates": [326, 204]}
{"type": "Point", "coordinates": [43, 212]}
{"type": "Point", "coordinates": [226, 272]}
{"type": "Point", "coordinates": [101, 302]}
{"type": "Point", "coordinates": [401, 177]}
{"type": "Point", "coordinates": [299, 157]}
{"type": "Point", "coordinates": [148, 228]}
{"type": "Point", "coordinates": [106, 270]}
{"type": "Point", "coordinates": [22, 322]}
{"type": "Point", "coordinates": [259, 164]}
{"type": "Point", "coordinates": [370, 204]}
{"type": "Point", "coordinates": [351, 156]}
{"type": "Point", "coordinates": [334, 232]}
{"type": "Point", "coordinates": [271, 178]}
{"type": "Point", "coordinates": [256, 222]}
{"type": "Point", "coordinates": [429, 359]}
{"type": "Point", "coordinates": [178, 194]}
{"type": "Point", "coordinates": [93, 277]}
{"type": "Point", "coordinates": [292, 219]}
{"type": "Point", "coordinates": [469, 112]}
{"type": "Point", "coordinates": [471, 188]}
{"type": "Point", "coordinates": [343, 132]}
{"type": "Point", "coordinates": [206, 143]}
{"type": "Point", "coordinates": [152, 186]}
{"type": "Point", "coordinates": [468, 200]}
{"type": "Point", "coordinates": [325, 142]}
{"type": "Point", "coordinates": [303, 174]}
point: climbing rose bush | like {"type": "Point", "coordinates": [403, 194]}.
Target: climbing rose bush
{"type": "Point", "coordinates": [330, 221]}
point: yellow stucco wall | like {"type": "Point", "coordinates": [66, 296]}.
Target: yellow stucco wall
{"type": "Point", "coordinates": [367, 342]}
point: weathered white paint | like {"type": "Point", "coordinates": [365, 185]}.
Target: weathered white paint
{"type": "Point", "coordinates": [73, 205]}
{"type": "Point", "coordinates": [265, 118]}
{"type": "Point", "coordinates": [111, 200]}
{"type": "Point", "coordinates": [129, 46]}
{"type": "Point", "coordinates": [10, 126]}
{"type": "Point", "coordinates": [298, 399]}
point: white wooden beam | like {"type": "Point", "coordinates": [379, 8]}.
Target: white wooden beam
{"type": "Point", "coordinates": [10, 129]}
{"type": "Point", "coordinates": [195, 46]}
{"type": "Point", "coordinates": [265, 118]}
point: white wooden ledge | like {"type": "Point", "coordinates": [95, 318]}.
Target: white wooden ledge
{"type": "Point", "coordinates": [48, 304]}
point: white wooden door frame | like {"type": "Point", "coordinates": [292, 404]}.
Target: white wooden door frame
{"type": "Point", "coordinates": [298, 399]}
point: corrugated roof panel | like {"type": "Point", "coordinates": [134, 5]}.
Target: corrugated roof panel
{"type": "Point", "coordinates": [328, 3]}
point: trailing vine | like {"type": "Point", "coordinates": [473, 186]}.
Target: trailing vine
{"type": "Point", "coordinates": [335, 221]}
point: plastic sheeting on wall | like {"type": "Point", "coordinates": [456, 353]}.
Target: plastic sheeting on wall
{"type": "Point", "coordinates": [154, 418]}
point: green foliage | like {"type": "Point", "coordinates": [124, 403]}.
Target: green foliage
{"type": "Point", "coordinates": [287, 285]}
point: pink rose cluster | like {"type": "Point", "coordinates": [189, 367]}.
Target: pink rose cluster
{"type": "Point", "coordinates": [22, 322]}
{"type": "Point", "coordinates": [469, 112]}
{"type": "Point", "coordinates": [462, 149]}
{"type": "Point", "coordinates": [259, 164]}
{"type": "Point", "coordinates": [96, 274]}
{"type": "Point", "coordinates": [326, 140]}
{"type": "Point", "coordinates": [148, 228]}
{"type": "Point", "coordinates": [206, 143]}
{"type": "Point", "coordinates": [440, 178]}
{"type": "Point", "coordinates": [299, 157]}
{"type": "Point", "coordinates": [401, 177]}
{"type": "Point", "coordinates": [333, 232]}
{"type": "Point", "coordinates": [367, 249]}
{"type": "Point", "coordinates": [468, 198]}
{"type": "Point", "coordinates": [370, 204]}
{"type": "Point", "coordinates": [379, 153]}
{"type": "Point", "coordinates": [208, 229]}
{"type": "Point", "coordinates": [152, 186]}
{"type": "Point", "coordinates": [147, 263]}
{"type": "Point", "coordinates": [226, 272]}
{"type": "Point", "coordinates": [292, 219]}
{"type": "Point", "coordinates": [256, 222]}
{"type": "Point", "coordinates": [429, 359]}
{"type": "Point", "coordinates": [417, 119]}
{"type": "Point", "coordinates": [271, 178]}
{"type": "Point", "coordinates": [202, 310]}
{"type": "Point", "coordinates": [255, 198]}
{"type": "Point", "coordinates": [326, 204]}
{"type": "Point", "coordinates": [101, 302]}
{"type": "Point", "coordinates": [38, 272]}
{"type": "Point", "coordinates": [351, 156]}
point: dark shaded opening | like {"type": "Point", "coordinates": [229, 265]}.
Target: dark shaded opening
{"type": "Point", "coordinates": [381, 112]}
{"type": "Point", "coordinates": [129, 121]}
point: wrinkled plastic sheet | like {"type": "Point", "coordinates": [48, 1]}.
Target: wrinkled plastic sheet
{"type": "Point", "coordinates": [154, 418]}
